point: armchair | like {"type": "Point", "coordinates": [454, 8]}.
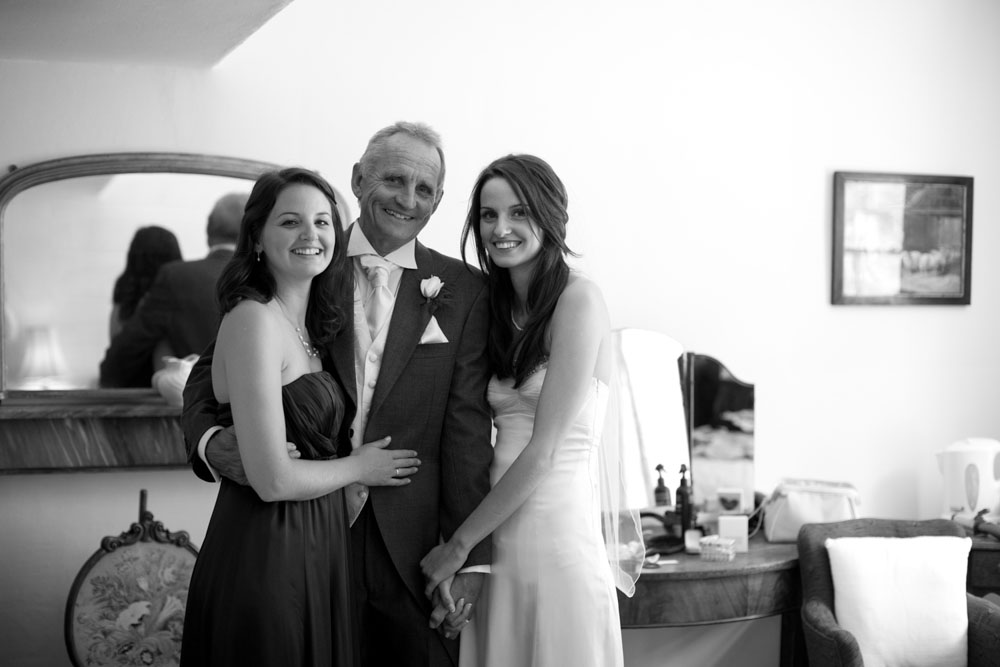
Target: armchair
{"type": "Point", "coordinates": [829, 644]}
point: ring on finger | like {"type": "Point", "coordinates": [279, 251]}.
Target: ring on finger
{"type": "Point", "coordinates": [397, 472]}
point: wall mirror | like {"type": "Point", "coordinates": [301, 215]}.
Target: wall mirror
{"type": "Point", "coordinates": [65, 229]}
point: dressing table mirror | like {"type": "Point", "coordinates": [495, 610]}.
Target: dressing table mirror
{"type": "Point", "coordinates": [65, 229]}
{"type": "Point", "coordinates": [721, 427]}
{"type": "Point", "coordinates": [649, 405]}
{"type": "Point", "coordinates": [679, 408]}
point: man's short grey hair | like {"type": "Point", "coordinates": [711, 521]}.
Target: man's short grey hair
{"type": "Point", "coordinates": [226, 216]}
{"type": "Point", "coordinates": [419, 131]}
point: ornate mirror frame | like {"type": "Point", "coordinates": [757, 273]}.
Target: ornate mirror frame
{"type": "Point", "coordinates": [95, 428]}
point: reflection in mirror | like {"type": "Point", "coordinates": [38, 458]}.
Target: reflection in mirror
{"type": "Point", "coordinates": [722, 436]}
{"type": "Point", "coordinates": [65, 229]}
{"type": "Point", "coordinates": [65, 244]}
{"type": "Point", "coordinates": [650, 405]}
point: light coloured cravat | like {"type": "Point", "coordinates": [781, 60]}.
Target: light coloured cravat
{"type": "Point", "coordinates": [379, 301]}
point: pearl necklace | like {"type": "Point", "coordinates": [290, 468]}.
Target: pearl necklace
{"type": "Point", "coordinates": [309, 347]}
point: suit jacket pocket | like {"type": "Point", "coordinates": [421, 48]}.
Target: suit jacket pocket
{"type": "Point", "coordinates": [433, 351]}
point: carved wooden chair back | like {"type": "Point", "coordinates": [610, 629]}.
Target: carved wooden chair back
{"type": "Point", "coordinates": [126, 605]}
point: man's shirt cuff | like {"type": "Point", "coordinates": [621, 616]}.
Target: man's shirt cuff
{"type": "Point", "coordinates": [202, 444]}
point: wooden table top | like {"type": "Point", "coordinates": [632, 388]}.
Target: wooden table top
{"type": "Point", "coordinates": [762, 582]}
{"type": "Point", "coordinates": [763, 556]}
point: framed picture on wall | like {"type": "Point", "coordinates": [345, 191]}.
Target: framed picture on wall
{"type": "Point", "coordinates": [901, 239]}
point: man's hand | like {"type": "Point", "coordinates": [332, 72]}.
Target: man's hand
{"type": "Point", "coordinates": [454, 602]}
{"type": "Point", "coordinates": [223, 455]}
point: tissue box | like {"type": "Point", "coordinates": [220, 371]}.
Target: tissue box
{"type": "Point", "coordinates": [715, 547]}
{"type": "Point", "coordinates": [736, 528]}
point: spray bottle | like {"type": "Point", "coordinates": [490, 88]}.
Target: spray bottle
{"type": "Point", "coordinates": [661, 494]}
{"type": "Point", "coordinates": [683, 508]}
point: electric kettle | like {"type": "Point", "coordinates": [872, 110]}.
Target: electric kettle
{"type": "Point", "coordinates": [971, 471]}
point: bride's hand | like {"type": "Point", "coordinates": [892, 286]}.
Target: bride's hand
{"type": "Point", "coordinates": [442, 602]}
{"type": "Point", "coordinates": [442, 562]}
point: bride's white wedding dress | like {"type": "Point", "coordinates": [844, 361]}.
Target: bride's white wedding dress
{"type": "Point", "coordinates": [550, 599]}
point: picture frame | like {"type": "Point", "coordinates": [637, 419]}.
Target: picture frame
{"type": "Point", "coordinates": [902, 239]}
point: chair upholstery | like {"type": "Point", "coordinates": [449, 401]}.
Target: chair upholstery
{"type": "Point", "coordinates": [828, 644]}
{"type": "Point", "coordinates": [126, 605]}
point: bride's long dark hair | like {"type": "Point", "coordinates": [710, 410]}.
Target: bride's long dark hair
{"type": "Point", "coordinates": [543, 194]}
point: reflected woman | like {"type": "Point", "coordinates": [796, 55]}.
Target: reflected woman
{"type": "Point", "coordinates": [151, 248]}
{"type": "Point", "coordinates": [271, 585]}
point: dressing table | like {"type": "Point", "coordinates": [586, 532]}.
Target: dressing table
{"type": "Point", "coordinates": [687, 591]}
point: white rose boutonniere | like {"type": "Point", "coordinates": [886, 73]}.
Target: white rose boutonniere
{"type": "Point", "coordinates": [434, 296]}
{"type": "Point", "coordinates": [431, 289]}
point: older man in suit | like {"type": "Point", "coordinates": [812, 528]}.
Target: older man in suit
{"type": "Point", "coordinates": [414, 369]}
{"type": "Point", "coordinates": [178, 315]}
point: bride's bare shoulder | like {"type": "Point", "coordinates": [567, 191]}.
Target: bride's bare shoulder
{"type": "Point", "coordinates": [581, 294]}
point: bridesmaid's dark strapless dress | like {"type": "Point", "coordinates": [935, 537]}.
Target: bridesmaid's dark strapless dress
{"type": "Point", "coordinates": [272, 582]}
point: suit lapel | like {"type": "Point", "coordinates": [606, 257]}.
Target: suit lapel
{"type": "Point", "coordinates": [409, 319]}
{"type": "Point", "coordinates": [341, 351]}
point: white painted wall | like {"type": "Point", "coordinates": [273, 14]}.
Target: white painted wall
{"type": "Point", "coordinates": [698, 141]}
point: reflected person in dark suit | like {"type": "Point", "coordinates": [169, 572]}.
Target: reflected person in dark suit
{"type": "Point", "coordinates": [179, 313]}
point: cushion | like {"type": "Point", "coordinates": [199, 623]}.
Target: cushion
{"type": "Point", "coordinates": [903, 599]}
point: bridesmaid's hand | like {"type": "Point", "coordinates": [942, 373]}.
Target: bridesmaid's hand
{"type": "Point", "coordinates": [385, 467]}
{"type": "Point", "coordinates": [441, 563]}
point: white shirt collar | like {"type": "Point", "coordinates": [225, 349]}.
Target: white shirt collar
{"type": "Point", "coordinates": [358, 244]}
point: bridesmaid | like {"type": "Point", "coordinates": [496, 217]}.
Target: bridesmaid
{"type": "Point", "coordinates": [271, 585]}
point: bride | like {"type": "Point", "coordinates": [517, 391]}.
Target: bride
{"type": "Point", "coordinates": [550, 598]}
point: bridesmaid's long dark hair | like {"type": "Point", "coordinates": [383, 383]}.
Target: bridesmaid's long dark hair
{"type": "Point", "coordinates": [246, 277]}
{"type": "Point", "coordinates": [543, 194]}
